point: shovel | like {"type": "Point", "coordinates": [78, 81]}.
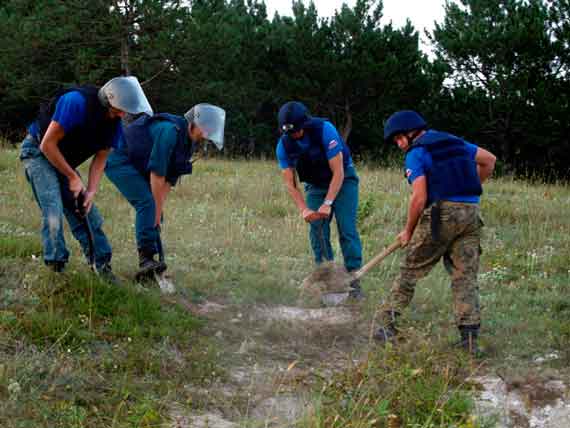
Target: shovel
{"type": "Point", "coordinates": [333, 280]}
{"type": "Point", "coordinates": [82, 214]}
{"type": "Point", "coordinates": [166, 286]}
{"type": "Point", "coordinates": [375, 261]}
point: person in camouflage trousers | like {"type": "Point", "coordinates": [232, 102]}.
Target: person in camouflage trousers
{"type": "Point", "coordinates": [443, 220]}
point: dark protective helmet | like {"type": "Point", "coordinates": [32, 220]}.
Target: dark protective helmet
{"type": "Point", "coordinates": [292, 116]}
{"type": "Point", "coordinates": [402, 122]}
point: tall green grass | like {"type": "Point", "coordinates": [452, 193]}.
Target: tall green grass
{"type": "Point", "coordinates": [87, 354]}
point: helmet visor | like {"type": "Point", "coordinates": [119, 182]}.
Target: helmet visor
{"type": "Point", "coordinates": [211, 120]}
{"type": "Point", "coordinates": [125, 94]}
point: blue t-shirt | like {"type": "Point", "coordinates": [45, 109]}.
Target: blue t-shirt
{"type": "Point", "coordinates": [419, 162]}
{"type": "Point", "coordinates": [164, 136]}
{"type": "Point", "coordinates": [70, 112]}
{"type": "Point", "coordinates": [332, 143]}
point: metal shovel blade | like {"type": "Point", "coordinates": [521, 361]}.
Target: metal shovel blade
{"type": "Point", "coordinates": [166, 286]}
{"type": "Point", "coordinates": [333, 299]}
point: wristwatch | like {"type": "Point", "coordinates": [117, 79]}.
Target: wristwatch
{"type": "Point", "coordinates": [328, 202]}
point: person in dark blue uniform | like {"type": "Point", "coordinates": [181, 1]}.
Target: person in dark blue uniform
{"type": "Point", "coordinates": [76, 124]}
{"type": "Point", "coordinates": [155, 151]}
{"type": "Point", "coordinates": [313, 148]}
{"type": "Point", "coordinates": [443, 221]}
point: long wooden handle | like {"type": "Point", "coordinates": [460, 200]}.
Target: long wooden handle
{"type": "Point", "coordinates": [377, 259]}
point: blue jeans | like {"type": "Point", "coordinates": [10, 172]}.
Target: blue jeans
{"type": "Point", "coordinates": [136, 189]}
{"type": "Point", "coordinates": [51, 191]}
{"type": "Point", "coordinates": [344, 209]}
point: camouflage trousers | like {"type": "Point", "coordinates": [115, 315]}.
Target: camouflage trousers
{"type": "Point", "coordinates": [459, 245]}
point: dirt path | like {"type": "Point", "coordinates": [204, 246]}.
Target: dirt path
{"type": "Point", "coordinates": [273, 355]}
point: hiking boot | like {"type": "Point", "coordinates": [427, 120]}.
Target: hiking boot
{"type": "Point", "coordinates": [56, 266]}
{"type": "Point", "coordinates": [148, 265]}
{"type": "Point", "coordinates": [386, 334]}
{"type": "Point", "coordinates": [468, 342]}
{"type": "Point", "coordinates": [355, 291]}
{"type": "Point", "coordinates": [106, 274]}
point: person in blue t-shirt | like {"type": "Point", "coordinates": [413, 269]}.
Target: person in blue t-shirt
{"type": "Point", "coordinates": [154, 152]}
{"type": "Point", "coordinates": [443, 220]}
{"type": "Point", "coordinates": [313, 148]}
{"type": "Point", "coordinates": [76, 124]}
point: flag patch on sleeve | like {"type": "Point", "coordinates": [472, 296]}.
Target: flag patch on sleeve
{"type": "Point", "coordinates": [333, 144]}
{"type": "Point", "coordinates": [408, 173]}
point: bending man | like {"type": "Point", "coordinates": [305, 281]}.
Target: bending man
{"type": "Point", "coordinates": [156, 151]}
{"type": "Point", "coordinates": [313, 148]}
{"type": "Point", "coordinates": [76, 124]}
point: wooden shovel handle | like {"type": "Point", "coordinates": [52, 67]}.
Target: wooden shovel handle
{"type": "Point", "coordinates": [377, 259]}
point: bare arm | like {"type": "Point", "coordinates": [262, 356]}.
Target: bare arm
{"type": "Point", "coordinates": [160, 188]}
{"type": "Point", "coordinates": [96, 170]}
{"type": "Point", "coordinates": [485, 163]}
{"type": "Point", "coordinates": [337, 168]}
{"type": "Point", "coordinates": [415, 208]}
{"type": "Point", "coordinates": [95, 173]}
{"type": "Point", "coordinates": [49, 147]}
{"type": "Point", "coordinates": [291, 183]}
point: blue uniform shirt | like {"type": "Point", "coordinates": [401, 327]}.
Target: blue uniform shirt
{"type": "Point", "coordinates": [164, 136]}
{"type": "Point", "coordinates": [419, 162]}
{"type": "Point", "coordinates": [332, 143]}
{"type": "Point", "coordinates": [70, 112]}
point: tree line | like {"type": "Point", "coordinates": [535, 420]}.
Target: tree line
{"type": "Point", "coordinates": [499, 75]}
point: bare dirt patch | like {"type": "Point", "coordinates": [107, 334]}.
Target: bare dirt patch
{"type": "Point", "coordinates": [534, 401]}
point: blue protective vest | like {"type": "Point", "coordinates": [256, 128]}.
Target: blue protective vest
{"type": "Point", "coordinates": [453, 171]}
{"type": "Point", "coordinates": [84, 141]}
{"type": "Point", "coordinates": [312, 164]}
{"type": "Point", "coordinates": [140, 143]}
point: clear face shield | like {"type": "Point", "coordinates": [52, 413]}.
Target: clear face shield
{"type": "Point", "coordinates": [125, 94]}
{"type": "Point", "coordinates": [211, 120]}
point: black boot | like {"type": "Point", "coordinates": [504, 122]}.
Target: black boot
{"type": "Point", "coordinates": [468, 342]}
{"type": "Point", "coordinates": [355, 290]}
{"type": "Point", "coordinates": [56, 266]}
{"type": "Point", "coordinates": [106, 274]}
{"type": "Point", "coordinates": [148, 265]}
{"type": "Point", "coordinates": [388, 332]}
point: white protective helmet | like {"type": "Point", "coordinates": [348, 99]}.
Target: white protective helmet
{"type": "Point", "coordinates": [126, 94]}
{"type": "Point", "coordinates": [211, 119]}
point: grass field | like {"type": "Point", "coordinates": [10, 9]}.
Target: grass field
{"type": "Point", "coordinates": [75, 352]}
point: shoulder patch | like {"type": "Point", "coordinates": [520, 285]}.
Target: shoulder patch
{"type": "Point", "coordinates": [408, 173]}
{"type": "Point", "coordinates": [333, 144]}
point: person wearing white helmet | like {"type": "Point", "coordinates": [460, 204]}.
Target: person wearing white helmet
{"type": "Point", "coordinates": [75, 125]}
{"type": "Point", "coordinates": [155, 151]}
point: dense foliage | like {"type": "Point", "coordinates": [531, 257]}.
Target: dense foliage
{"type": "Point", "coordinates": [500, 75]}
